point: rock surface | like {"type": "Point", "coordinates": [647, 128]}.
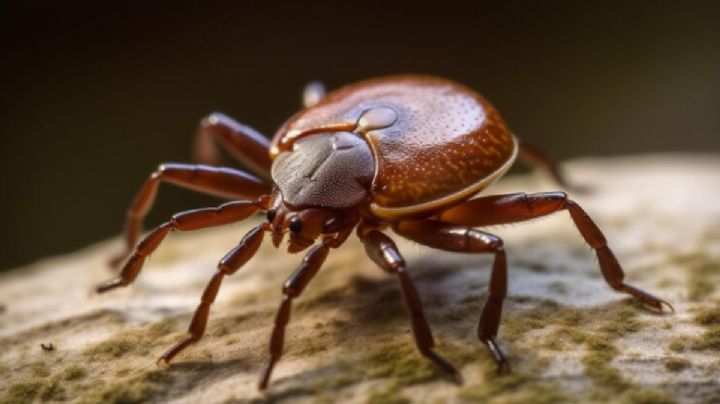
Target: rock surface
{"type": "Point", "coordinates": [567, 334]}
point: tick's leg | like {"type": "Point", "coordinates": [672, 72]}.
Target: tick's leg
{"type": "Point", "coordinates": [236, 258]}
{"type": "Point", "coordinates": [512, 208]}
{"type": "Point", "coordinates": [218, 181]}
{"type": "Point", "coordinates": [243, 142]}
{"type": "Point", "coordinates": [184, 221]}
{"type": "Point", "coordinates": [383, 251]}
{"type": "Point", "coordinates": [537, 157]}
{"type": "Point", "coordinates": [312, 94]}
{"type": "Point", "coordinates": [293, 288]}
{"type": "Point", "coordinates": [450, 237]}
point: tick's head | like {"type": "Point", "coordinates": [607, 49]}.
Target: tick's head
{"type": "Point", "coordinates": [320, 183]}
{"type": "Point", "coordinates": [332, 170]}
{"type": "Point", "coordinates": [304, 226]}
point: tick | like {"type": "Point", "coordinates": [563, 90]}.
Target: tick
{"type": "Point", "coordinates": [407, 153]}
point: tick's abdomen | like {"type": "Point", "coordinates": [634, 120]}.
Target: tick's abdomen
{"type": "Point", "coordinates": [446, 144]}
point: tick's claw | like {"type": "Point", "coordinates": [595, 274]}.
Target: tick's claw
{"type": "Point", "coordinates": [262, 386]}
{"type": "Point", "coordinates": [672, 309]}
{"type": "Point", "coordinates": [657, 304]}
{"type": "Point", "coordinates": [503, 366]}
{"type": "Point", "coordinates": [109, 285]}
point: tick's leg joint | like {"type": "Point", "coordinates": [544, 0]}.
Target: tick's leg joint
{"type": "Point", "coordinates": [184, 221]}
{"type": "Point", "coordinates": [217, 181]}
{"type": "Point", "coordinates": [383, 251]}
{"type": "Point", "coordinates": [513, 208]}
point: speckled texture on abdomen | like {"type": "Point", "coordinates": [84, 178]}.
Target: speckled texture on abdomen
{"type": "Point", "coordinates": [446, 137]}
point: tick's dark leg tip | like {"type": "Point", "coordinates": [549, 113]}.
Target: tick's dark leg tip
{"type": "Point", "coordinates": [265, 379]}
{"type": "Point", "coordinates": [502, 364]}
{"type": "Point", "coordinates": [262, 386]}
{"type": "Point", "coordinates": [503, 368]}
{"type": "Point", "coordinates": [108, 286]}
{"type": "Point", "coordinates": [441, 362]}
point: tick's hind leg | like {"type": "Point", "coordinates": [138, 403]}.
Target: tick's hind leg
{"type": "Point", "coordinates": [243, 142]}
{"type": "Point", "coordinates": [235, 259]}
{"type": "Point", "coordinates": [512, 208]}
{"type": "Point", "coordinates": [537, 157]}
{"type": "Point", "coordinates": [383, 251]}
{"type": "Point", "coordinates": [293, 287]}
{"type": "Point", "coordinates": [217, 181]}
{"type": "Point", "coordinates": [184, 221]}
{"type": "Point", "coordinates": [450, 237]}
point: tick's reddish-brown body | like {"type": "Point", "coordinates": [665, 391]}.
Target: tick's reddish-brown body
{"type": "Point", "coordinates": [435, 142]}
{"type": "Point", "coordinates": [405, 152]}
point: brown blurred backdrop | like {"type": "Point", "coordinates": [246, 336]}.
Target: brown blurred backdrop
{"type": "Point", "coordinates": [95, 94]}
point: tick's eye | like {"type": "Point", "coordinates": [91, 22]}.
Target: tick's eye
{"type": "Point", "coordinates": [295, 225]}
{"type": "Point", "coordinates": [271, 215]}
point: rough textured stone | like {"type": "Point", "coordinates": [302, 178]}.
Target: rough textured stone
{"type": "Point", "coordinates": [568, 335]}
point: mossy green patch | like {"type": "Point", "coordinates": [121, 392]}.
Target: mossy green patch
{"type": "Point", "coordinates": [138, 388]}
{"type": "Point", "coordinates": [118, 346]}
{"type": "Point", "coordinates": [597, 366]}
{"type": "Point", "coordinates": [44, 389]}
{"type": "Point", "coordinates": [137, 341]}
{"type": "Point", "coordinates": [387, 395]}
{"type": "Point", "coordinates": [647, 396]}
{"type": "Point", "coordinates": [39, 369]}
{"type": "Point", "coordinates": [703, 273]}
{"type": "Point", "coordinates": [53, 390]}
{"type": "Point", "coordinates": [74, 372]}
{"type": "Point", "coordinates": [513, 389]}
{"type": "Point", "coordinates": [708, 316]}
{"type": "Point", "coordinates": [162, 327]}
{"type": "Point", "coordinates": [676, 346]}
{"type": "Point", "coordinates": [676, 364]}
{"type": "Point", "coordinates": [24, 392]}
{"type": "Point", "coordinates": [597, 328]}
{"type": "Point", "coordinates": [400, 361]}
{"type": "Point", "coordinates": [557, 326]}
{"type": "Point", "coordinates": [709, 340]}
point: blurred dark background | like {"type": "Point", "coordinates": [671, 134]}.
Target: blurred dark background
{"type": "Point", "coordinates": [94, 95]}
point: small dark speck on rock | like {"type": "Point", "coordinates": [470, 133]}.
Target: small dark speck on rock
{"type": "Point", "coordinates": [47, 348]}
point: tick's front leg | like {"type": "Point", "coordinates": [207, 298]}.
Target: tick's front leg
{"type": "Point", "coordinates": [293, 287]}
{"type": "Point", "coordinates": [184, 221]}
{"type": "Point", "coordinates": [235, 259]}
{"type": "Point", "coordinates": [218, 181]}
